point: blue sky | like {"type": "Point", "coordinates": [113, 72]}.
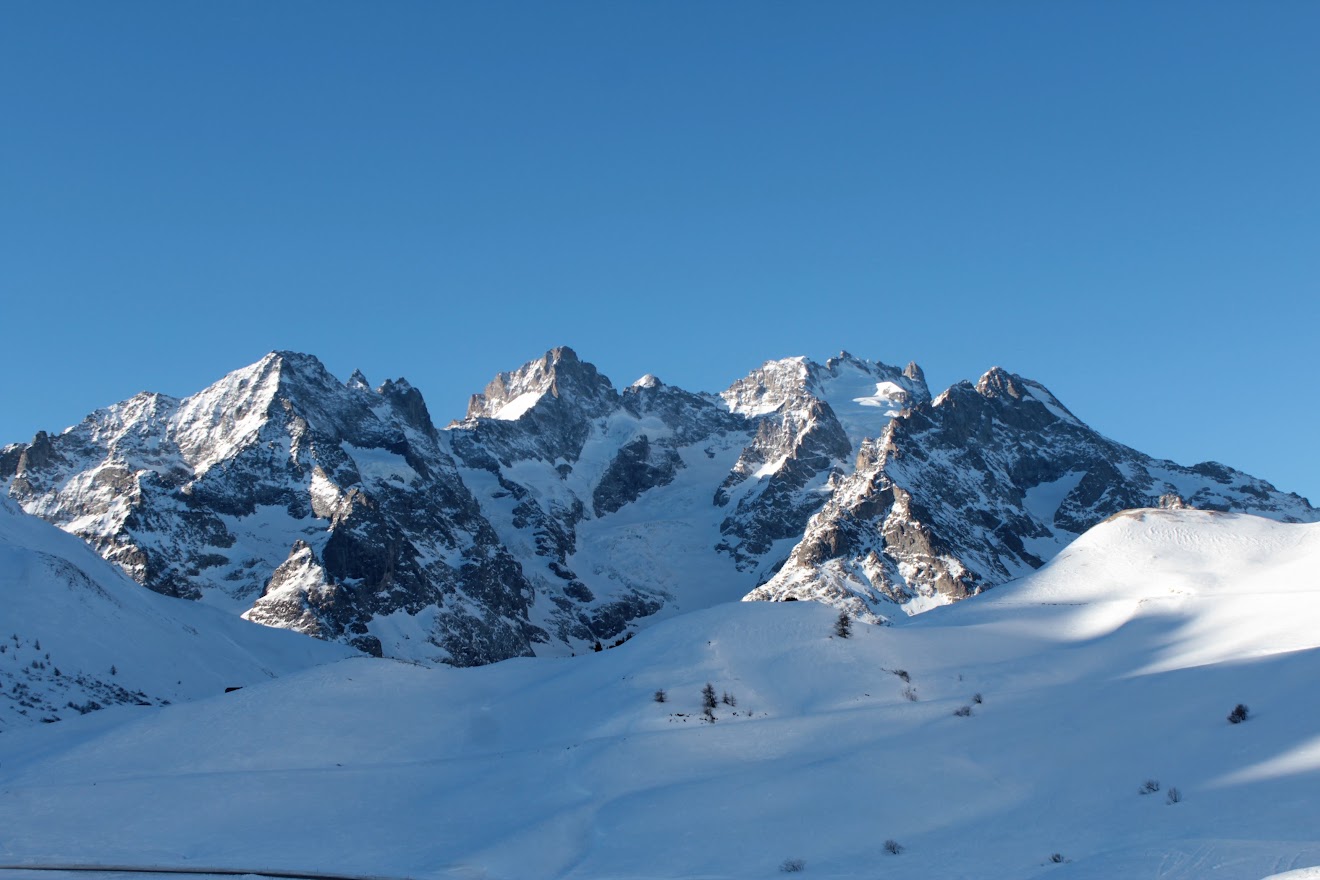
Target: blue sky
{"type": "Point", "coordinates": [1120, 200]}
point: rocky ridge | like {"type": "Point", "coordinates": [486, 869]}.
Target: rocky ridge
{"type": "Point", "coordinates": [980, 486]}
{"type": "Point", "coordinates": [560, 511]}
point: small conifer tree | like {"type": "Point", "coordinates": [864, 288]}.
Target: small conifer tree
{"type": "Point", "coordinates": [843, 625]}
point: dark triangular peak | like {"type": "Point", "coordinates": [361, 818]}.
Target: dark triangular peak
{"type": "Point", "coordinates": [408, 403]}
{"type": "Point", "coordinates": [358, 381]}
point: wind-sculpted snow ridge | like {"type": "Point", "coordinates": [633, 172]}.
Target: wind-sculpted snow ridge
{"type": "Point", "coordinates": [79, 636]}
{"type": "Point", "coordinates": [561, 513]}
{"type": "Point", "coordinates": [983, 485]}
{"type": "Point", "coordinates": [1038, 732]}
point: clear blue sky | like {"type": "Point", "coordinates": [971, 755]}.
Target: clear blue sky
{"type": "Point", "coordinates": [1120, 200]}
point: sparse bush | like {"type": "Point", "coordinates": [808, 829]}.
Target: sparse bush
{"type": "Point", "coordinates": [910, 693]}
{"type": "Point", "coordinates": [893, 847]}
{"type": "Point", "coordinates": [660, 696]}
{"type": "Point", "coordinates": [963, 711]}
{"type": "Point", "coordinates": [1174, 796]}
{"type": "Point", "coordinates": [793, 866]}
{"type": "Point", "coordinates": [1238, 715]}
{"type": "Point", "coordinates": [843, 625]}
{"type": "Point", "coordinates": [708, 700]}
{"type": "Point", "coordinates": [1150, 786]}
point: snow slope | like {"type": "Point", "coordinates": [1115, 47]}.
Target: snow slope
{"type": "Point", "coordinates": [1115, 664]}
{"type": "Point", "coordinates": [79, 635]}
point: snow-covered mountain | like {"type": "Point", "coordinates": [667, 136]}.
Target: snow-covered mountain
{"type": "Point", "coordinates": [79, 636]}
{"type": "Point", "coordinates": [298, 500]}
{"type": "Point", "coordinates": [985, 484]}
{"type": "Point", "coordinates": [1072, 724]}
{"type": "Point", "coordinates": [561, 511]}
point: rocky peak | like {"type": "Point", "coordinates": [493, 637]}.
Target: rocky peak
{"type": "Point", "coordinates": [1026, 399]}
{"type": "Point", "coordinates": [769, 387]}
{"type": "Point", "coordinates": [212, 425]}
{"type": "Point", "coordinates": [998, 382]}
{"type": "Point", "coordinates": [559, 375]}
{"type": "Point", "coordinates": [408, 402]}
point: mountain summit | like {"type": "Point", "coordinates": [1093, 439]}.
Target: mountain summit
{"type": "Point", "coordinates": [561, 512]}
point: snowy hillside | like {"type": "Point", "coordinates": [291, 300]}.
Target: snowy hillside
{"type": "Point", "coordinates": [79, 636]}
{"type": "Point", "coordinates": [1003, 737]}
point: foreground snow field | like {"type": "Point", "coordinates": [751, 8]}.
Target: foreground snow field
{"type": "Point", "coordinates": [1115, 664]}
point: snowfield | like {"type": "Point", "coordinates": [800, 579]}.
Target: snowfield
{"type": "Point", "coordinates": [1116, 664]}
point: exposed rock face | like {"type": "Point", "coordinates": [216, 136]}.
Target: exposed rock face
{"type": "Point", "coordinates": [562, 511]}
{"type": "Point", "coordinates": [981, 486]}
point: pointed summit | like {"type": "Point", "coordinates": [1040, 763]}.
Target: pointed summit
{"type": "Point", "coordinates": [999, 382]}
{"type": "Point", "coordinates": [559, 375]}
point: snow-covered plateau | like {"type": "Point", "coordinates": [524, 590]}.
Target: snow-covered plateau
{"type": "Point", "coordinates": [1072, 723]}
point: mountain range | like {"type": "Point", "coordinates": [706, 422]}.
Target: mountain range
{"type": "Point", "coordinates": [562, 513]}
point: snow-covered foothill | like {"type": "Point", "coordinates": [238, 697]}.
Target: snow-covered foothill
{"type": "Point", "coordinates": [79, 636]}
